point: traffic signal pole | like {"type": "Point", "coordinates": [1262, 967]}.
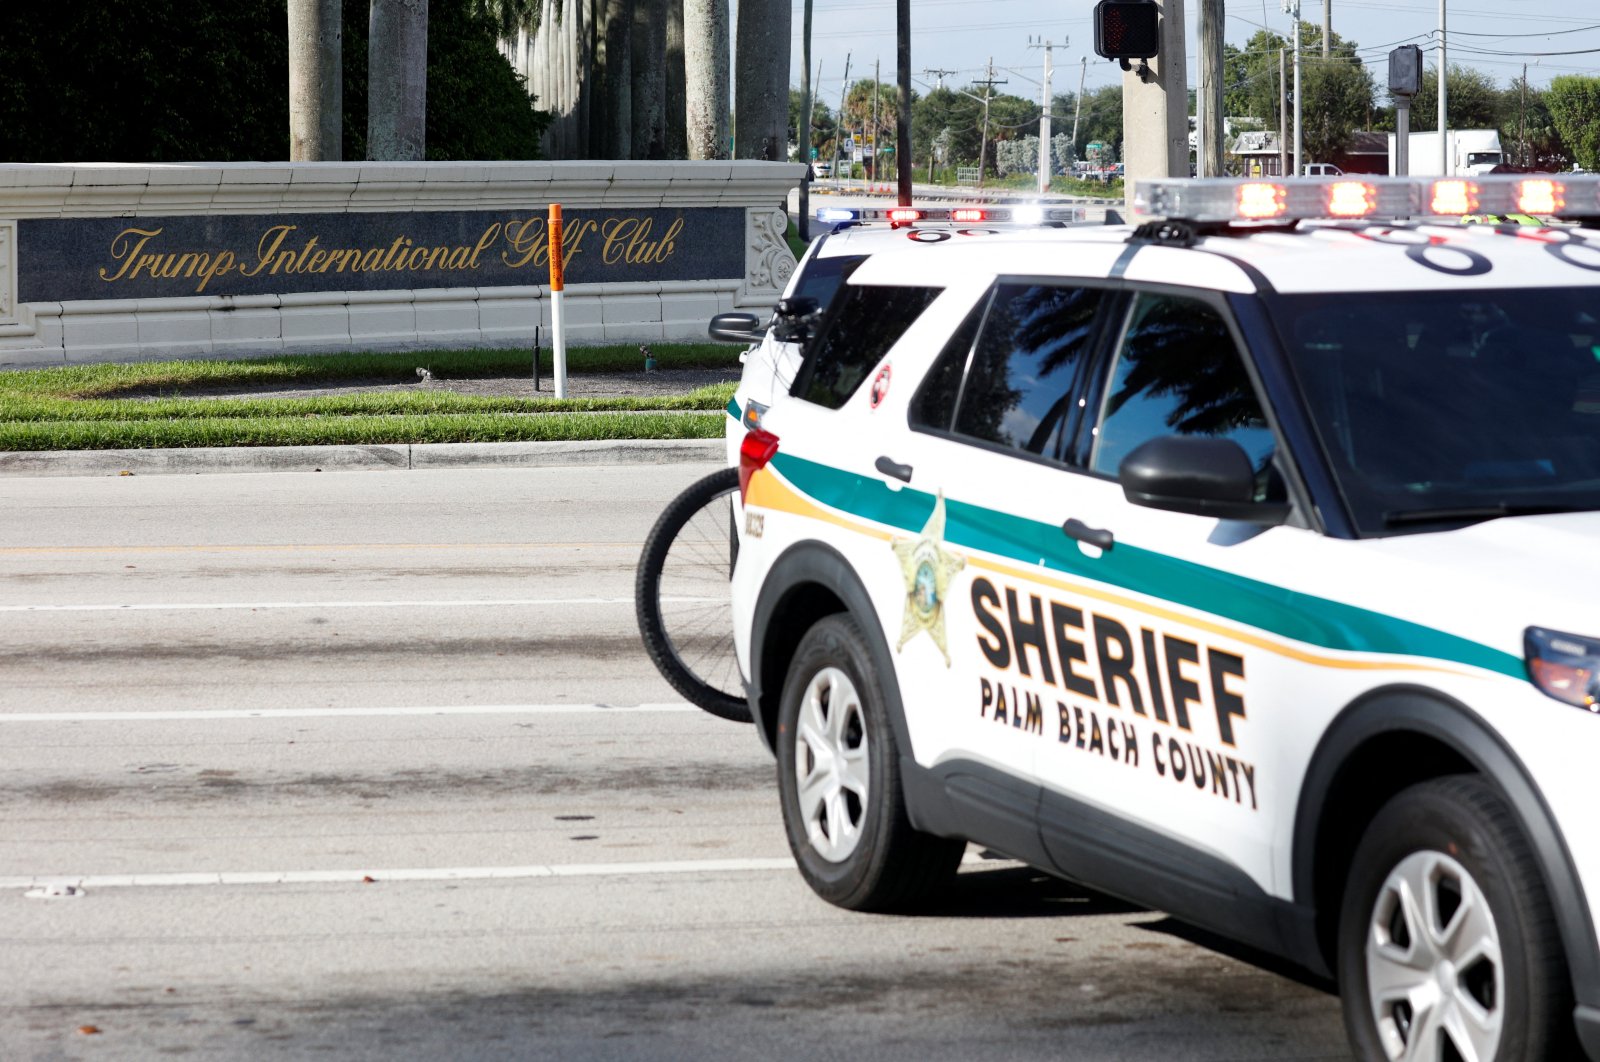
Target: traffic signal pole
{"type": "Point", "coordinates": [1155, 108]}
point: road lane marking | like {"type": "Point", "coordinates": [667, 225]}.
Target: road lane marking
{"type": "Point", "coordinates": [336, 713]}
{"type": "Point", "coordinates": [297, 547]}
{"type": "Point", "coordinates": [376, 876]}
{"type": "Point", "coordinates": [263, 606]}
{"type": "Point", "coordinates": [347, 877]}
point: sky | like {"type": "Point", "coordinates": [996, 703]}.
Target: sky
{"type": "Point", "coordinates": [1494, 36]}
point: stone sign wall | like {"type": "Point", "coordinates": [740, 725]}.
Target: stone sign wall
{"type": "Point", "coordinates": [110, 262]}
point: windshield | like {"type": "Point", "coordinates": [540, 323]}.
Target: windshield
{"type": "Point", "coordinates": [1483, 158]}
{"type": "Point", "coordinates": [1439, 407]}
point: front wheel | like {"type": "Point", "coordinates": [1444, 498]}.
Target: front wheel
{"type": "Point", "coordinates": [1448, 947]}
{"type": "Point", "coordinates": [839, 780]}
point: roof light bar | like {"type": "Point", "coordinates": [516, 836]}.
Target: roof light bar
{"type": "Point", "coordinates": [836, 214]}
{"type": "Point", "coordinates": [969, 214]}
{"type": "Point", "coordinates": [905, 215]}
{"type": "Point", "coordinates": [1294, 199]}
{"type": "Point", "coordinates": [1020, 214]}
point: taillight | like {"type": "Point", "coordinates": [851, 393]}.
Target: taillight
{"type": "Point", "coordinates": [758, 448]}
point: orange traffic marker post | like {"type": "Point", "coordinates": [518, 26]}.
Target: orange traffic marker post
{"type": "Point", "coordinates": [557, 285]}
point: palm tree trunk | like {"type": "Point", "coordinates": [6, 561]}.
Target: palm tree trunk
{"type": "Point", "coordinates": [397, 80]}
{"type": "Point", "coordinates": [705, 62]}
{"type": "Point", "coordinates": [649, 79]}
{"type": "Point", "coordinates": [677, 135]}
{"type": "Point", "coordinates": [618, 30]}
{"type": "Point", "coordinates": [762, 89]}
{"type": "Point", "coordinates": [316, 80]}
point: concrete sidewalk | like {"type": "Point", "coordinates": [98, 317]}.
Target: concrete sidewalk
{"type": "Point", "coordinates": [398, 457]}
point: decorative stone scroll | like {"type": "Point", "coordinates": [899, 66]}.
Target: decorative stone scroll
{"type": "Point", "coordinates": [768, 258]}
{"type": "Point", "coordinates": [8, 272]}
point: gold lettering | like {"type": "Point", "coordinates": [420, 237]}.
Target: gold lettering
{"type": "Point", "coordinates": [416, 258]}
{"type": "Point", "coordinates": [125, 250]}
{"type": "Point", "coordinates": [527, 242]}
{"type": "Point", "coordinates": [668, 242]}
{"type": "Point", "coordinates": [221, 266]}
{"type": "Point", "coordinates": [458, 258]}
{"type": "Point", "coordinates": [345, 258]}
{"type": "Point", "coordinates": [315, 264]}
{"type": "Point", "coordinates": [484, 242]}
{"type": "Point", "coordinates": [616, 232]}
{"type": "Point", "coordinates": [370, 261]}
{"type": "Point", "coordinates": [267, 249]}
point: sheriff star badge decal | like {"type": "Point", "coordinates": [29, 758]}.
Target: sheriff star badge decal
{"type": "Point", "coordinates": [927, 568]}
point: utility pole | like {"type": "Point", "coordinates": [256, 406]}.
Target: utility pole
{"type": "Point", "coordinates": [988, 93]}
{"type": "Point", "coordinates": [902, 132]}
{"type": "Point", "coordinates": [803, 133]}
{"type": "Point", "coordinates": [1044, 117]}
{"type": "Point", "coordinates": [1155, 107]}
{"type": "Point", "coordinates": [1444, 119]}
{"type": "Point", "coordinates": [1077, 111]}
{"type": "Point", "coordinates": [1327, 29]}
{"type": "Point", "coordinates": [877, 96]}
{"type": "Point", "coordinates": [1522, 121]}
{"type": "Point", "coordinates": [1293, 8]}
{"type": "Point", "coordinates": [1283, 113]}
{"type": "Point", "coordinates": [839, 126]}
{"type": "Point", "coordinates": [1208, 153]}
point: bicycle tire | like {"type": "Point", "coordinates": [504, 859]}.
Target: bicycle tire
{"type": "Point", "coordinates": [705, 670]}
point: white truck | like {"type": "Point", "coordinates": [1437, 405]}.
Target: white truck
{"type": "Point", "coordinates": [1472, 152]}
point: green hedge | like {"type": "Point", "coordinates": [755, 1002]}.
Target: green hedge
{"type": "Point", "coordinates": [179, 81]}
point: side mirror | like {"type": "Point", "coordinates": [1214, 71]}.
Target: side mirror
{"type": "Point", "coordinates": [1198, 475]}
{"type": "Point", "coordinates": [795, 320]}
{"type": "Point", "coordinates": [736, 328]}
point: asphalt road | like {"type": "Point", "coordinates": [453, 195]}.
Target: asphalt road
{"type": "Point", "coordinates": [370, 765]}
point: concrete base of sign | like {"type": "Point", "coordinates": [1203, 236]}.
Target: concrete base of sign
{"type": "Point", "coordinates": [72, 313]}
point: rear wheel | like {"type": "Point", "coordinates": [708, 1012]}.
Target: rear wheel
{"type": "Point", "coordinates": [681, 596]}
{"type": "Point", "coordinates": [839, 780]}
{"type": "Point", "coordinates": [1448, 948]}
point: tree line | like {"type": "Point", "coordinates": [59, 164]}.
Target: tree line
{"type": "Point", "coordinates": [1549, 128]}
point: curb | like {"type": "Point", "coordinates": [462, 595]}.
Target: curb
{"type": "Point", "coordinates": [399, 457]}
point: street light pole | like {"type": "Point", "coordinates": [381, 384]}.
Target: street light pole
{"type": "Point", "coordinates": [1444, 121]}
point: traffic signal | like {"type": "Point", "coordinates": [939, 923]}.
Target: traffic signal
{"type": "Point", "coordinates": [1127, 29]}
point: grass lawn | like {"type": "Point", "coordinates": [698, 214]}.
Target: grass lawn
{"type": "Point", "coordinates": [93, 406]}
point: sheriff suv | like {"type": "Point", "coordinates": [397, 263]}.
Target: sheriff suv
{"type": "Point", "coordinates": [1241, 563]}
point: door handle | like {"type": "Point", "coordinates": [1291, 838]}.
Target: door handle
{"type": "Point", "coordinates": [1093, 536]}
{"type": "Point", "coordinates": [893, 469]}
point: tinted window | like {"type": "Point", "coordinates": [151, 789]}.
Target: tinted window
{"type": "Point", "coordinates": [862, 325]}
{"type": "Point", "coordinates": [823, 276]}
{"type": "Point", "coordinates": [1178, 373]}
{"type": "Point", "coordinates": [1018, 392]}
{"type": "Point", "coordinates": [935, 402]}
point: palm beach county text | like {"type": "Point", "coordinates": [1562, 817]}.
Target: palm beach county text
{"type": "Point", "coordinates": [1134, 697]}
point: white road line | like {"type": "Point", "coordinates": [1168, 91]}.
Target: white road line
{"type": "Point", "coordinates": [335, 713]}
{"type": "Point", "coordinates": [262, 606]}
{"type": "Point", "coordinates": [253, 606]}
{"type": "Point", "coordinates": [374, 876]}
{"type": "Point", "coordinates": [320, 877]}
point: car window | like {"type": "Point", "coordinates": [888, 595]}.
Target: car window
{"type": "Point", "coordinates": [1178, 372]}
{"type": "Point", "coordinates": [1019, 386]}
{"type": "Point", "coordinates": [863, 323]}
{"type": "Point", "coordinates": [934, 405]}
{"type": "Point", "coordinates": [821, 277]}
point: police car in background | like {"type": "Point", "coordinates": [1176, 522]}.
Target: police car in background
{"type": "Point", "coordinates": [1241, 565]}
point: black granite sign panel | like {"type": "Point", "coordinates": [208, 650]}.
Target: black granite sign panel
{"type": "Point", "coordinates": [69, 259]}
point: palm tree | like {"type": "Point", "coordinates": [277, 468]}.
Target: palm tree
{"type": "Point", "coordinates": [705, 61]}
{"type": "Point", "coordinates": [763, 80]}
{"type": "Point", "coordinates": [316, 94]}
{"type": "Point", "coordinates": [397, 80]}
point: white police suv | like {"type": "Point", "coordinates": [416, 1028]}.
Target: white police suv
{"type": "Point", "coordinates": [1239, 565]}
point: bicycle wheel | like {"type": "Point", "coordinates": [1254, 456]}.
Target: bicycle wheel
{"type": "Point", "coordinates": [681, 596]}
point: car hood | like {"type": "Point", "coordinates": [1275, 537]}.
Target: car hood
{"type": "Point", "coordinates": [1503, 574]}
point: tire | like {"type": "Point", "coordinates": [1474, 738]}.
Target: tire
{"type": "Point", "coordinates": [680, 596]}
{"type": "Point", "coordinates": [1446, 939]}
{"type": "Point", "coordinates": [839, 780]}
